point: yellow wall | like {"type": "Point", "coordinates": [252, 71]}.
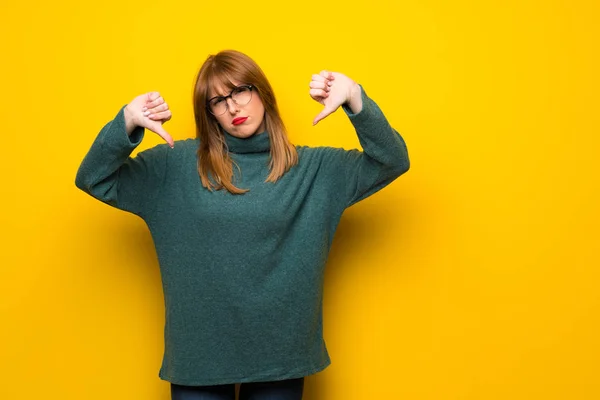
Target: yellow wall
{"type": "Point", "coordinates": [474, 276]}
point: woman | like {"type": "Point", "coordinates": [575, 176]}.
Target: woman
{"type": "Point", "coordinates": [242, 221]}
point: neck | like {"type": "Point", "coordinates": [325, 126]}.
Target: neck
{"type": "Point", "coordinates": [257, 143]}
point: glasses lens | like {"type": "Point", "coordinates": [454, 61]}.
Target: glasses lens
{"type": "Point", "coordinates": [242, 95]}
{"type": "Point", "coordinates": [218, 106]}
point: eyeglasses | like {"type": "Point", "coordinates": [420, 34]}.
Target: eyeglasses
{"type": "Point", "coordinates": [241, 95]}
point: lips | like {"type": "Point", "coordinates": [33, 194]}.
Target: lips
{"type": "Point", "coordinates": [239, 120]}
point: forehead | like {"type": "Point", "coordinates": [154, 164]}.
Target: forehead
{"type": "Point", "coordinates": [219, 88]}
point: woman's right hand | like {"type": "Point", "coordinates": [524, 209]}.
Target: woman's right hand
{"type": "Point", "coordinates": [150, 111]}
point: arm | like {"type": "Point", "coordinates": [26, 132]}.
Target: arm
{"type": "Point", "coordinates": [384, 158]}
{"type": "Point", "coordinates": [110, 175]}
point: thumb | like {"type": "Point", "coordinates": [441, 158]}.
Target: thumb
{"type": "Point", "coordinates": [326, 111]}
{"type": "Point", "coordinates": [158, 129]}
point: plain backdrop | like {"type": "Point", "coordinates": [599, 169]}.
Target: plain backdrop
{"type": "Point", "coordinates": [473, 276]}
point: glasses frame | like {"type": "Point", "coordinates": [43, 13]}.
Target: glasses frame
{"type": "Point", "coordinates": [230, 95]}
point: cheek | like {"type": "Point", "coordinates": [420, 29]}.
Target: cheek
{"type": "Point", "coordinates": [259, 109]}
{"type": "Point", "coordinates": [222, 121]}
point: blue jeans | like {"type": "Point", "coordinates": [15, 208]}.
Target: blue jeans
{"type": "Point", "coordinates": [289, 389]}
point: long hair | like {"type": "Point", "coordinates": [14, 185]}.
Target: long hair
{"type": "Point", "coordinates": [215, 166]}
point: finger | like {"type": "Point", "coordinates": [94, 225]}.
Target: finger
{"type": "Point", "coordinates": [318, 93]}
{"type": "Point", "coordinates": [319, 78]}
{"type": "Point", "coordinates": [322, 115]}
{"type": "Point", "coordinates": [154, 103]}
{"type": "Point", "coordinates": [327, 75]}
{"type": "Point", "coordinates": [163, 134]}
{"type": "Point", "coordinates": [158, 108]}
{"type": "Point", "coordinates": [160, 115]}
{"type": "Point", "coordinates": [320, 85]}
{"type": "Point", "coordinates": [152, 96]}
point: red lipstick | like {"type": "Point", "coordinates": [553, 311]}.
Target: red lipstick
{"type": "Point", "coordinates": [239, 120]}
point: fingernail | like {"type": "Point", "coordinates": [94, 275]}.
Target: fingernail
{"type": "Point", "coordinates": [146, 113]}
{"type": "Point", "coordinates": [144, 109]}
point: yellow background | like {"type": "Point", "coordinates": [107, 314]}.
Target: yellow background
{"type": "Point", "coordinates": [474, 276]}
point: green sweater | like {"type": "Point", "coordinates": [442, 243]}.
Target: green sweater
{"type": "Point", "coordinates": [242, 275]}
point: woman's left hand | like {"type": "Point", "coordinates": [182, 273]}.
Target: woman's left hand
{"type": "Point", "coordinates": [331, 89]}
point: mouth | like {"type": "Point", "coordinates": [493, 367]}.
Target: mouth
{"type": "Point", "coordinates": [239, 120]}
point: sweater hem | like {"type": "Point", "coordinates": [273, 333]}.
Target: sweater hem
{"type": "Point", "coordinates": [295, 373]}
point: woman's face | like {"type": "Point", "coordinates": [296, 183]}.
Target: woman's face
{"type": "Point", "coordinates": [254, 113]}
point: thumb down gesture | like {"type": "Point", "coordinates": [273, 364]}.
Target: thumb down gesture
{"type": "Point", "coordinates": [150, 111]}
{"type": "Point", "coordinates": [331, 89]}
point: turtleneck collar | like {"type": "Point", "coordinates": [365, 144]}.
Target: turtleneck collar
{"type": "Point", "coordinates": [257, 143]}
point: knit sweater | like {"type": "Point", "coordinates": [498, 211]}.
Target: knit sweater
{"type": "Point", "coordinates": [242, 275]}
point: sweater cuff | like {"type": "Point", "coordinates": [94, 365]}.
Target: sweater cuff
{"type": "Point", "coordinates": [121, 139]}
{"type": "Point", "coordinates": [363, 114]}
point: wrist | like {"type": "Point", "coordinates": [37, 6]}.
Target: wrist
{"type": "Point", "coordinates": [130, 123]}
{"type": "Point", "coordinates": [354, 100]}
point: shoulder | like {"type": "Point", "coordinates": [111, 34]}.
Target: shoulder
{"type": "Point", "coordinates": [323, 152]}
{"type": "Point", "coordinates": [162, 152]}
{"type": "Point", "coordinates": [309, 153]}
{"type": "Point", "coordinates": [326, 158]}
{"type": "Point", "coordinates": [178, 146]}
{"type": "Point", "coordinates": [318, 150]}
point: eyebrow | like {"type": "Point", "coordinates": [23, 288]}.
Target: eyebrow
{"type": "Point", "coordinates": [220, 95]}
{"type": "Point", "coordinates": [215, 97]}
{"type": "Point", "coordinates": [223, 95]}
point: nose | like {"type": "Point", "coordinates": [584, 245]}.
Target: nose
{"type": "Point", "coordinates": [231, 106]}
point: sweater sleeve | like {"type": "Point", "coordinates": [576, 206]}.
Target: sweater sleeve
{"type": "Point", "coordinates": [109, 174]}
{"type": "Point", "coordinates": [383, 159]}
